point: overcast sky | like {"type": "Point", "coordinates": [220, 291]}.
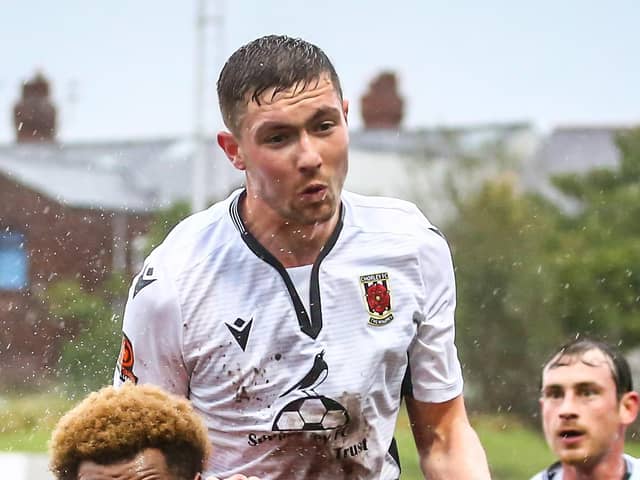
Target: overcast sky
{"type": "Point", "coordinates": [126, 69]}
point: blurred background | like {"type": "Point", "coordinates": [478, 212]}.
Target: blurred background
{"type": "Point", "coordinates": [514, 127]}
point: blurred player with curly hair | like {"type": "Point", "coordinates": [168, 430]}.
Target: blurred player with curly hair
{"type": "Point", "coordinates": [130, 433]}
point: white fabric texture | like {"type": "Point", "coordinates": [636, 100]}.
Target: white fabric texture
{"type": "Point", "coordinates": [633, 464]}
{"type": "Point", "coordinates": [209, 319]}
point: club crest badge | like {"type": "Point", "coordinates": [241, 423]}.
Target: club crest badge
{"type": "Point", "coordinates": [377, 298]}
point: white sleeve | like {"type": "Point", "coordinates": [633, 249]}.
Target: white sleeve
{"type": "Point", "coordinates": [634, 465]}
{"type": "Point", "coordinates": [434, 369]}
{"type": "Point", "coordinates": [151, 349]}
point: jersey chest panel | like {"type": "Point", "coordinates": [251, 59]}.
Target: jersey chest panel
{"type": "Point", "coordinates": [253, 368]}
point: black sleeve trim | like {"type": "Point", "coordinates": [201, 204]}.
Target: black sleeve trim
{"type": "Point", "coordinates": [393, 451]}
{"type": "Point", "coordinates": [406, 390]}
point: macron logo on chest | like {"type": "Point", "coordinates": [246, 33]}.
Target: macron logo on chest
{"type": "Point", "coordinates": [240, 330]}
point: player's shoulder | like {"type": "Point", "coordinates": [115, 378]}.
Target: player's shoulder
{"type": "Point", "coordinates": [384, 212]}
{"type": "Point", "coordinates": [539, 476]}
{"type": "Point", "coordinates": [553, 472]}
{"type": "Point", "coordinates": [388, 215]}
{"type": "Point", "coordinates": [195, 237]}
{"type": "Point", "coordinates": [633, 465]}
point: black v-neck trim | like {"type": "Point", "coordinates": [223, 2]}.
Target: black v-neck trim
{"type": "Point", "coordinates": [311, 326]}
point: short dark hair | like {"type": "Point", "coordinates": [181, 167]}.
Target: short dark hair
{"type": "Point", "coordinates": [272, 61]}
{"type": "Point", "coordinates": [580, 345]}
{"type": "Point", "coordinates": [115, 424]}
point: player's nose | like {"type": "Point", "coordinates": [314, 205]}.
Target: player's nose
{"type": "Point", "coordinates": [309, 157]}
{"type": "Point", "coordinates": [568, 408]}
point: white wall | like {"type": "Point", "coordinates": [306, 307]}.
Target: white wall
{"type": "Point", "coordinates": [22, 466]}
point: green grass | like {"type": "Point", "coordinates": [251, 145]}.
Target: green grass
{"type": "Point", "coordinates": [26, 421]}
{"type": "Point", "coordinates": [515, 452]}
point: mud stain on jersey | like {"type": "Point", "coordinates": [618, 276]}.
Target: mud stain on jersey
{"type": "Point", "coordinates": [242, 394]}
{"type": "Point", "coordinates": [301, 456]}
{"type": "Point", "coordinates": [249, 384]}
{"type": "Point", "coordinates": [343, 453]}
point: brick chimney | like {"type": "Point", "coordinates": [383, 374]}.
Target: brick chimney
{"type": "Point", "coordinates": [34, 115]}
{"type": "Point", "coordinates": [382, 106]}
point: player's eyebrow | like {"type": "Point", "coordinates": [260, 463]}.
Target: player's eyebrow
{"type": "Point", "coordinates": [594, 385]}
{"type": "Point", "coordinates": [554, 387]}
{"type": "Point", "coordinates": [322, 112]}
{"type": "Point", "coordinates": [325, 112]}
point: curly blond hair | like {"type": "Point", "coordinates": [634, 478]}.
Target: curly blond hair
{"type": "Point", "coordinates": [115, 424]}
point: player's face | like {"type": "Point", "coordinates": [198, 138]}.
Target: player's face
{"type": "Point", "coordinates": [150, 464]}
{"type": "Point", "coordinates": [582, 418]}
{"type": "Point", "coordinates": [293, 148]}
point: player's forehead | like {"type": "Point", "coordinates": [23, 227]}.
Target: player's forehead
{"type": "Point", "coordinates": [147, 464]}
{"type": "Point", "coordinates": [310, 94]}
{"type": "Point", "coordinates": [589, 366]}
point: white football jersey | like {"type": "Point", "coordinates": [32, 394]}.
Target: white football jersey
{"type": "Point", "coordinates": [298, 372]}
{"type": "Point", "coordinates": [554, 472]}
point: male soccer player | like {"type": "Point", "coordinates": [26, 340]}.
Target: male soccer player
{"type": "Point", "coordinates": [587, 403]}
{"type": "Point", "coordinates": [291, 312]}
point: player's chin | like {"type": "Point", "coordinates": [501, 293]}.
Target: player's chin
{"type": "Point", "coordinates": [576, 456]}
{"type": "Point", "coordinates": [315, 214]}
{"type": "Point", "coordinates": [320, 217]}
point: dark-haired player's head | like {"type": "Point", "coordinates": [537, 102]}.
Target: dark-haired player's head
{"type": "Point", "coordinates": [574, 350]}
{"type": "Point", "coordinates": [129, 433]}
{"type": "Point", "coordinates": [587, 402]}
{"type": "Point", "coordinates": [281, 101]}
{"type": "Point", "coordinates": [272, 64]}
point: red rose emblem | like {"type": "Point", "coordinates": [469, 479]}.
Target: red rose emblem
{"type": "Point", "coordinates": [378, 298]}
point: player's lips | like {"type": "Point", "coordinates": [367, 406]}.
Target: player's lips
{"type": "Point", "coordinates": [314, 192]}
{"type": "Point", "coordinates": [570, 436]}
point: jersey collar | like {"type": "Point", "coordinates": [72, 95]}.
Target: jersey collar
{"type": "Point", "coordinates": [310, 324]}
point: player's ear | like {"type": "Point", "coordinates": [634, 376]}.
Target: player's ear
{"type": "Point", "coordinates": [345, 109]}
{"type": "Point", "coordinates": [628, 407]}
{"type": "Point", "coordinates": [231, 149]}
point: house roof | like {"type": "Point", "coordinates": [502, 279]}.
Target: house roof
{"type": "Point", "coordinates": [578, 149]}
{"type": "Point", "coordinates": [139, 175]}
{"type": "Point", "coordinates": [571, 149]}
{"type": "Point", "coordinates": [439, 142]}
{"type": "Point", "coordinates": [144, 175]}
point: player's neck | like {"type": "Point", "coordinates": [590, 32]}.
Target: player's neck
{"type": "Point", "coordinates": [292, 244]}
{"type": "Point", "coordinates": [612, 467]}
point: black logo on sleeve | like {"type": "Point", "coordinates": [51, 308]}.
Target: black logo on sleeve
{"type": "Point", "coordinates": [146, 278]}
{"type": "Point", "coordinates": [240, 331]}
